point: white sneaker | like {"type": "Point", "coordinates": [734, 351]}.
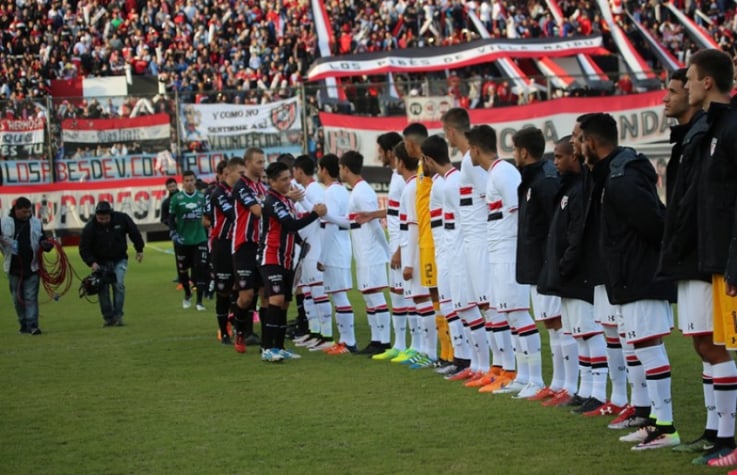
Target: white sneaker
{"type": "Point", "coordinates": [301, 339]}
{"type": "Point", "coordinates": [658, 439]}
{"type": "Point", "coordinates": [271, 356]}
{"type": "Point", "coordinates": [512, 388]}
{"type": "Point", "coordinates": [200, 307]}
{"type": "Point", "coordinates": [322, 345]}
{"type": "Point", "coordinates": [307, 343]}
{"type": "Point", "coordinates": [186, 303]}
{"type": "Point", "coordinates": [637, 436]}
{"type": "Point", "coordinates": [528, 391]}
{"type": "Point", "coordinates": [288, 355]}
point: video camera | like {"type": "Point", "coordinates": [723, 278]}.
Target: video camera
{"type": "Point", "coordinates": [92, 284]}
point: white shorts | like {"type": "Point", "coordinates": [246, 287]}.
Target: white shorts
{"type": "Point", "coordinates": [337, 279]}
{"type": "Point", "coordinates": [544, 307]}
{"type": "Point", "coordinates": [370, 278]}
{"type": "Point", "coordinates": [310, 275]}
{"type": "Point", "coordinates": [578, 318]}
{"type": "Point", "coordinates": [396, 282]}
{"type": "Point", "coordinates": [507, 295]}
{"type": "Point", "coordinates": [645, 319]}
{"type": "Point", "coordinates": [695, 307]}
{"type": "Point", "coordinates": [460, 282]}
{"type": "Point", "coordinates": [477, 265]}
{"type": "Point", "coordinates": [444, 294]}
{"type": "Point", "coordinates": [413, 287]}
{"type": "Point", "coordinates": [604, 312]}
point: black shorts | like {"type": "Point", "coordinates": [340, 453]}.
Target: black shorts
{"type": "Point", "coordinates": [193, 256]}
{"type": "Point", "coordinates": [245, 267]}
{"type": "Point", "coordinates": [221, 263]}
{"type": "Point", "coordinates": [277, 281]}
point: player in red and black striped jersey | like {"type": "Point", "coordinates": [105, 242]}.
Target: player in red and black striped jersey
{"type": "Point", "coordinates": [221, 209]}
{"type": "Point", "coordinates": [276, 256]}
{"type": "Point", "coordinates": [248, 195]}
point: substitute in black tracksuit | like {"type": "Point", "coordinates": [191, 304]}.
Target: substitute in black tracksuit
{"type": "Point", "coordinates": [631, 231]}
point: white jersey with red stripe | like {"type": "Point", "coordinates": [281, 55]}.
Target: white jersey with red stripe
{"type": "Point", "coordinates": [336, 241]}
{"type": "Point", "coordinates": [452, 236]}
{"type": "Point", "coordinates": [396, 186]}
{"type": "Point", "coordinates": [370, 246]}
{"type": "Point", "coordinates": [409, 240]}
{"type": "Point", "coordinates": [472, 211]}
{"type": "Point", "coordinates": [314, 194]}
{"type": "Point", "coordinates": [502, 202]}
{"type": "Point", "coordinates": [436, 215]}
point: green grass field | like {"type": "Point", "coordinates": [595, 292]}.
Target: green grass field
{"type": "Point", "coordinates": [161, 395]}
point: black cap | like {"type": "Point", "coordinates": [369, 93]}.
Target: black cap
{"type": "Point", "coordinates": [103, 207]}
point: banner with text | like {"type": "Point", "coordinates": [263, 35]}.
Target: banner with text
{"type": "Point", "coordinates": [220, 127]}
{"type": "Point", "coordinates": [22, 139]}
{"type": "Point", "coordinates": [145, 134]}
{"type": "Point", "coordinates": [640, 120]}
{"type": "Point", "coordinates": [205, 164]}
{"type": "Point", "coordinates": [71, 205]}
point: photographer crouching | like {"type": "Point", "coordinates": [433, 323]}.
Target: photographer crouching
{"type": "Point", "coordinates": [104, 248]}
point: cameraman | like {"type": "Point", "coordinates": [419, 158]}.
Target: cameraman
{"type": "Point", "coordinates": [21, 239]}
{"type": "Point", "coordinates": [104, 248]}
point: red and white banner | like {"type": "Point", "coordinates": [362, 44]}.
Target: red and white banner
{"type": "Point", "coordinates": [25, 172]}
{"type": "Point", "coordinates": [144, 134]}
{"type": "Point", "coordinates": [23, 138]}
{"type": "Point", "coordinates": [416, 60]}
{"type": "Point", "coordinates": [70, 206]}
{"type": "Point", "coordinates": [639, 117]}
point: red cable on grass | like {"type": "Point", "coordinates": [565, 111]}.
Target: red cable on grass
{"type": "Point", "coordinates": [55, 271]}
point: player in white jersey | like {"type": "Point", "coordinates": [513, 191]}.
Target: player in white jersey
{"type": "Point", "coordinates": [370, 251]}
{"type": "Point", "coordinates": [335, 257]}
{"type": "Point", "coordinates": [444, 207]}
{"type": "Point", "coordinates": [401, 306]}
{"type": "Point", "coordinates": [488, 329]}
{"type": "Point", "coordinates": [409, 244]}
{"type": "Point", "coordinates": [310, 278]}
{"type": "Point", "coordinates": [508, 296]}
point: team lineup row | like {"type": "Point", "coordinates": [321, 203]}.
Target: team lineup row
{"type": "Point", "coordinates": [585, 238]}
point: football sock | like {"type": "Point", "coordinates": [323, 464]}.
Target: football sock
{"type": "Point", "coordinates": [302, 324]}
{"type": "Point", "coordinates": [345, 319]}
{"type": "Point", "coordinates": [458, 337]}
{"type": "Point", "coordinates": [400, 309]}
{"type": "Point", "coordinates": [446, 346]}
{"type": "Point", "coordinates": [529, 360]}
{"type": "Point", "coordinates": [712, 419]}
{"type": "Point", "coordinates": [200, 293]}
{"type": "Point", "coordinates": [184, 280]}
{"type": "Point", "coordinates": [480, 345]}
{"type": "Point", "coordinates": [569, 348]}
{"type": "Point", "coordinates": [429, 338]}
{"type": "Point", "coordinates": [324, 311]}
{"type": "Point", "coordinates": [222, 303]}
{"type": "Point", "coordinates": [556, 383]}
{"type": "Point", "coordinates": [654, 360]}
{"type": "Point", "coordinates": [725, 397]}
{"type": "Point", "coordinates": [467, 316]}
{"type": "Point", "coordinates": [584, 367]}
{"type": "Point", "coordinates": [313, 318]}
{"type": "Point", "coordinates": [281, 326]}
{"type": "Point", "coordinates": [636, 376]}
{"type": "Point", "coordinates": [491, 316]}
{"type": "Point", "coordinates": [616, 365]}
{"type": "Point", "coordinates": [599, 368]}
{"type": "Point", "coordinates": [503, 337]}
{"type": "Point", "coordinates": [414, 333]}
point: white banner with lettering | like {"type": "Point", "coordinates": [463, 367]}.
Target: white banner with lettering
{"type": "Point", "coordinates": [640, 120]}
{"type": "Point", "coordinates": [70, 206]}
